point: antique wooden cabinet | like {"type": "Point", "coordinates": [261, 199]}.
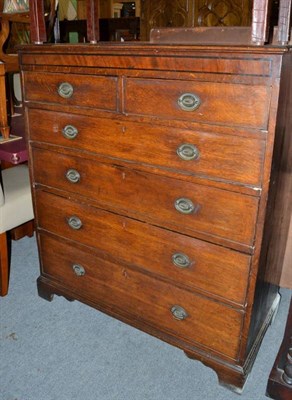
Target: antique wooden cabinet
{"type": "Point", "coordinates": [188, 13]}
{"type": "Point", "coordinates": [159, 176]}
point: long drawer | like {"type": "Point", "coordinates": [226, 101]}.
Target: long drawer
{"type": "Point", "coordinates": [188, 262]}
{"type": "Point", "coordinates": [132, 294]}
{"type": "Point", "coordinates": [171, 203]}
{"type": "Point", "coordinates": [225, 157]}
{"type": "Point", "coordinates": [72, 89]}
{"type": "Point", "coordinates": [208, 102]}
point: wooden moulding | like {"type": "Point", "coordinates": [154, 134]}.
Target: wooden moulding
{"type": "Point", "coordinates": [22, 17]}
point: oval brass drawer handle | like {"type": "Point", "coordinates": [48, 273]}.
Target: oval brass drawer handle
{"type": "Point", "coordinates": [73, 176]}
{"type": "Point", "coordinates": [70, 132]}
{"type": "Point", "coordinates": [65, 90]}
{"type": "Point", "coordinates": [189, 102]}
{"type": "Point", "coordinates": [74, 222]}
{"type": "Point", "coordinates": [181, 260]}
{"type": "Point", "coordinates": [179, 312]}
{"type": "Point", "coordinates": [185, 206]}
{"type": "Point", "coordinates": [78, 270]}
{"type": "Point", "coordinates": [188, 152]}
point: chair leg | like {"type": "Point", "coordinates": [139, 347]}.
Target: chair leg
{"type": "Point", "coordinates": [4, 264]}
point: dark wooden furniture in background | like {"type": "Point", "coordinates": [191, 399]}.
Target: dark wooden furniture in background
{"type": "Point", "coordinates": [280, 381]}
{"type": "Point", "coordinates": [119, 28]}
{"type": "Point", "coordinates": [111, 29]}
{"type": "Point", "coordinates": [191, 13]}
{"type": "Point", "coordinates": [78, 25]}
{"type": "Point", "coordinates": [166, 195]}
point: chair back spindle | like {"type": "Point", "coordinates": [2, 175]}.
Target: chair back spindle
{"type": "Point", "coordinates": [92, 21]}
{"type": "Point", "coordinates": [284, 23]}
{"type": "Point", "coordinates": [38, 32]}
{"type": "Point", "coordinates": [4, 127]}
{"type": "Point", "coordinates": [260, 27]}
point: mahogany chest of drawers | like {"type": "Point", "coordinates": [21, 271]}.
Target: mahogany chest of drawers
{"type": "Point", "coordinates": [158, 177]}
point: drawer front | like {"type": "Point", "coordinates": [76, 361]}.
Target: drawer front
{"type": "Point", "coordinates": [220, 103]}
{"type": "Point", "coordinates": [187, 261]}
{"type": "Point", "coordinates": [186, 207]}
{"type": "Point", "coordinates": [134, 295]}
{"type": "Point", "coordinates": [213, 155]}
{"type": "Point", "coordinates": [72, 89]}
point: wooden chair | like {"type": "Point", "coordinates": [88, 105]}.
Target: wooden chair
{"type": "Point", "coordinates": [6, 19]}
{"type": "Point", "coordinates": [10, 59]}
{"type": "Point", "coordinates": [15, 198]}
{"type": "Point", "coordinates": [15, 210]}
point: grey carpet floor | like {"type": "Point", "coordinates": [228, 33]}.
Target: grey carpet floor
{"type": "Point", "coordinates": [67, 351]}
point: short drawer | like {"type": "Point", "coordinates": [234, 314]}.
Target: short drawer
{"type": "Point", "coordinates": [208, 102]}
{"type": "Point", "coordinates": [139, 297]}
{"type": "Point", "coordinates": [217, 156]}
{"type": "Point", "coordinates": [187, 261]}
{"type": "Point", "coordinates": [72, 89]}
{"type": "Point", "coordinates": [178, 205]}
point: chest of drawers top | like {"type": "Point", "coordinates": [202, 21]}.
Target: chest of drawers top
{"type": "Point", "coordinates": [146, 82]}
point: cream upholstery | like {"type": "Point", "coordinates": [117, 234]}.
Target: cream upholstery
{"type": "Point", "coordinates": [15, 210]}
{"type": "Point", "coordinates": [15, 200]}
